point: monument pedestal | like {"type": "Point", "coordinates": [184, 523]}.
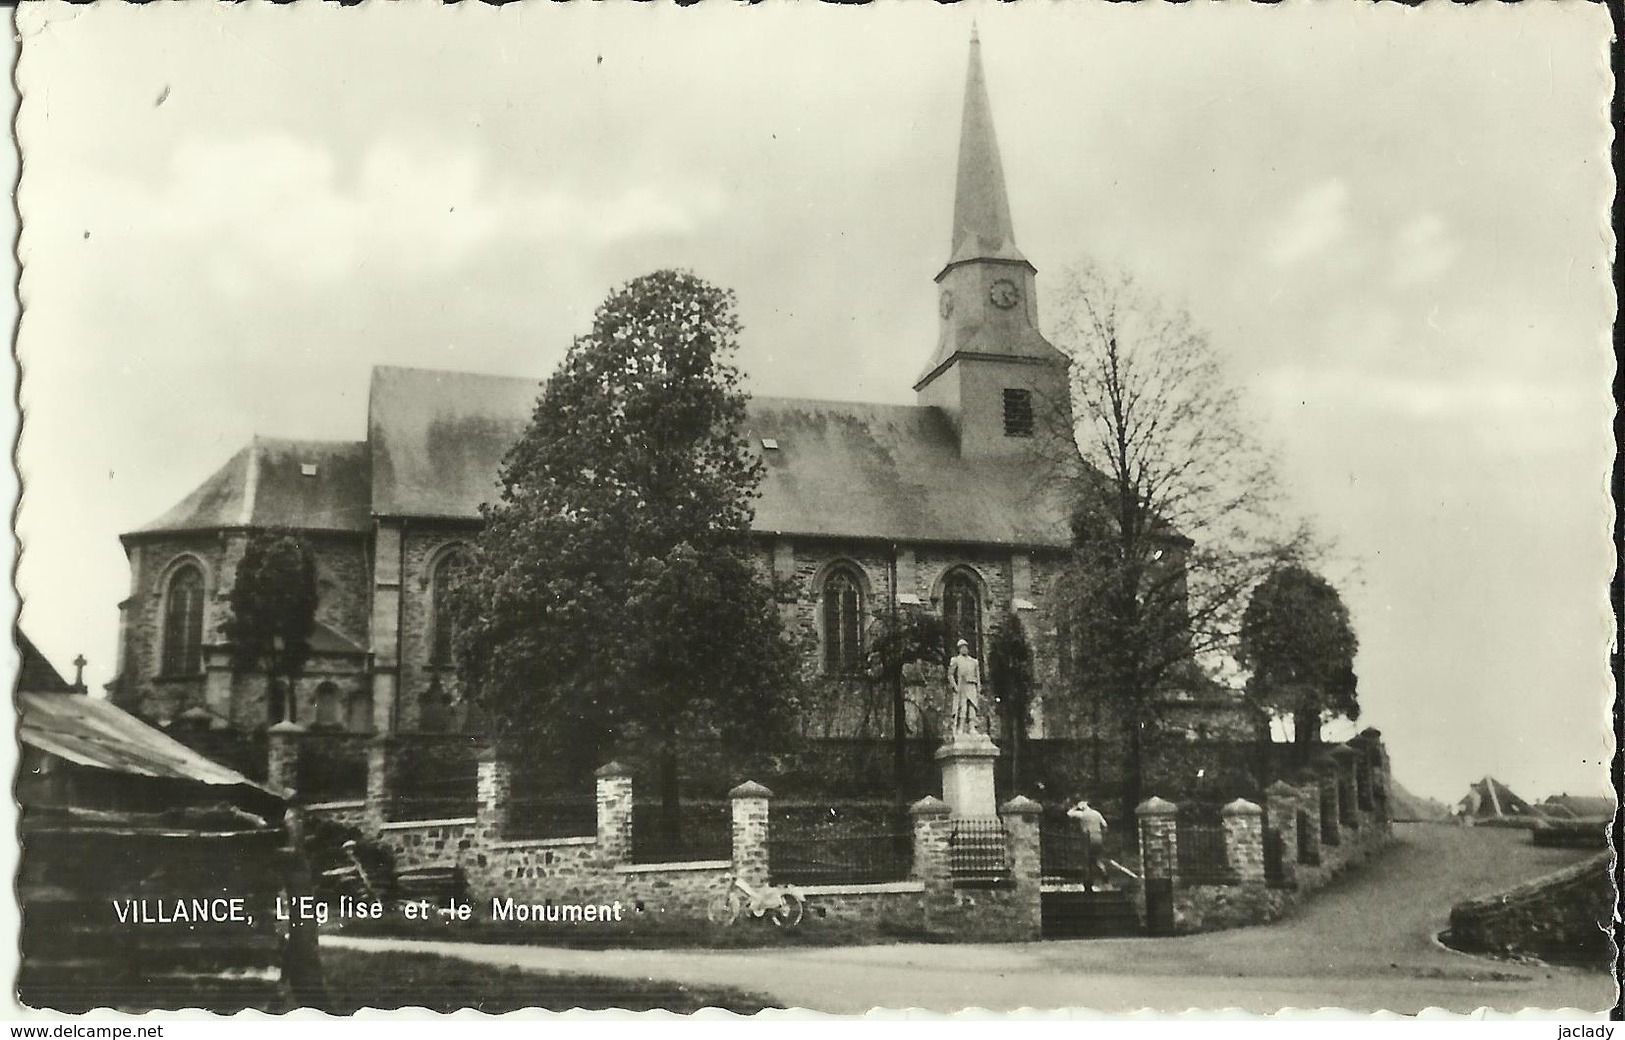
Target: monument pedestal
{"type": "Point", "coordinates": [966, 762]}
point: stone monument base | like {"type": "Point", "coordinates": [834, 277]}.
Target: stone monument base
{"type": "Point", "coordinates": [966, 762]}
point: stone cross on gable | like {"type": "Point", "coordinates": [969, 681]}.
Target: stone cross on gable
{"type": "Point", "coordinates": [79, 663]}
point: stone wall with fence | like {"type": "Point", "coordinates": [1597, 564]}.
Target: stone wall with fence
{"type": "Point", "coordinates": [911, 869]}
{"type": "Point", "coordinates": [1246, 862]}
{"type": "Point", "coordinates": [861, 865]}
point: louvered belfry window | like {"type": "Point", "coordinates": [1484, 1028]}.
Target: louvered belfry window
{"type": "Point", "coordinates": [1018, 413]}
{"type": "Point", "coordinates": [183, 623]}
{"type": "Point", "coordinates": [843, 623]}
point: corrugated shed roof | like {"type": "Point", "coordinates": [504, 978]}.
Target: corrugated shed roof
{"type": "Point", "coordinates": [94, 733]}
{"type": "Point", "coordinates": [311, 485]}
{"type": "Point", "coordinates": [841, 469]}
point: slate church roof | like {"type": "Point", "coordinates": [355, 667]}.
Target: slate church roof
{"type": "Point", "coordinates": [310, 485]}
{"type": "Point", "coordinates": [837, 469]}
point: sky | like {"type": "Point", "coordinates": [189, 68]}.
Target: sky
{"type": "Point", "coordinates": [1391, 221]}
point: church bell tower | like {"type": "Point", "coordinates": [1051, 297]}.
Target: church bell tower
{"type": "Point", "coordinates": [995, 375]}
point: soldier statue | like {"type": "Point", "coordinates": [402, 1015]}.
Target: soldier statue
{"type": "Point", "coordinates": [965, 680]}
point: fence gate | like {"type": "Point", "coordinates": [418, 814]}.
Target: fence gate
{"type": "Point", "coordinates": [1075, 903]}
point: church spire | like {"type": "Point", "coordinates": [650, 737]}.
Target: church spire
{"type": "Point", "coordinates": [982, 229]}
{"type": "Point", "coordinates": [994, 376]}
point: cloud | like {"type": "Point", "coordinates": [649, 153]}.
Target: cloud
{"type": "Point", "coordinates": [1424, 249]}
{"type": "Point", "coordinates": [272, 205]}
{"type": "Point", "coordinates": [1484, 396]}
{"type": "Point", "coordinates": [1316, 221]}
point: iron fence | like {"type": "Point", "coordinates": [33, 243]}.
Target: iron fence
{"type": "Point", "coordinates": [549, 802]}
{"type": "Point", "coordinates": [818, 844]}
{"type": "Point", "coordinates": [433, 776]}
{"type": "Point", "coordinates": [1202, 859]}
{"type": "Point", "coordinates": [1065, 853]}
{"type": "Point", "coordinates": [977, 852]}
{"type": "Point", "coordinates": [695, 831]}
{"type": "Point", "coordinates": [441, 798]}
{"type": "Point", "coordinates": [1274, 853]}
{"type": "Point", "coordinates": [332, 769]}
{"type": "Point", "coordinates": [1308, 840]}
{"type": "Point", "coordinates": [1064, 850]}
{"type": "Point", "coordinates": [1328, 816]}
{"type": "Point", "coordinates": [551, 815]}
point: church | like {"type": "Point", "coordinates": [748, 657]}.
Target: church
{"type": "Point", "coordinates": [948, 505]}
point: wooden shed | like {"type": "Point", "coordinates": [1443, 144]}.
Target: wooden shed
{"type": "Point", "coordinates": [150, 876]}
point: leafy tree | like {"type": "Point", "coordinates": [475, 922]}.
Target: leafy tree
{"type": "Point", "coordinates": [609, 600]}
{"type": "Point", "coordinates": [1178, 510]}
{"type": "Point", "coordinates": [1297, 643]}
{"type": "Point", "coordinates": [905, 648]}
{"type": "Point", "coordinates": [1010, 666]}
{"type": "Point", "coordinates": [273, 613]}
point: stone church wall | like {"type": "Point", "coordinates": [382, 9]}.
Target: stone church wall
{"type": "Point", "coordinates": [140, 687]}
{"type": "Point", "coordinates": [341, 565]}
{"type": "Point", "coordinates": [424, 545]}
{"type": "Point", "coordinates": [342, 574]}
{"type": "Point", "coordinates": [846, 708]}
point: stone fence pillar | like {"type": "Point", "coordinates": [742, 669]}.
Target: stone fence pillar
{"type": "Point", "coordinates": [1309, 838]}
{"type": "Point", "coordinates": [1281, 818]}
{"type": "Point", "coordinates": [1159, 862]}
{"type": "Point", "coordinates": [1375, 796]}
{"type": "Point", "coordinates": [1330, 811]}
{"type": "Point", "coordinates": [750, 829]}
{"type": "Point", "coordinates": [282, 755]}
{"type": "Point", "coordinates": [1244, 840]}
{"type": "Point", "coordinates": [1021, 820]}
{"type": "Point", "coordinates": [380, 782]}
{"type": "Point", "coordinates": [614, 788]}
{"type": "Point", "coordinates": [1159, 838]}
{"type": "Point", "coordinates": [1381, 781]}
{"type": "Point", "coordinates": [493, 793]}
{"type": "Point", "coordinates": [933, 829]}
{"type": "Point", "coordinates": [1362, 783]}
{"type": "Point", "coordinates": [1347, 761]}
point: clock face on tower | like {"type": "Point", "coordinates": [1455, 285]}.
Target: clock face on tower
{"type": "Point", "coordinates": [947, 304]}
{"type": "Point", "coordinates": [1004, 294]}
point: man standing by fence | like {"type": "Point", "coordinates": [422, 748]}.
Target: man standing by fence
{"type": "Point", "coordinates": [1094, 841]}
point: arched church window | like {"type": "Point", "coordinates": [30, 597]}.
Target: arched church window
{"type": "Point", "coordinates": [443, 630]}
{"type": "Point", "coordinates": [183, 622]}
{"type": "Point", "coordinates": [843, 622]}
{"type": "Point", "coordinates": [962, 611]}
